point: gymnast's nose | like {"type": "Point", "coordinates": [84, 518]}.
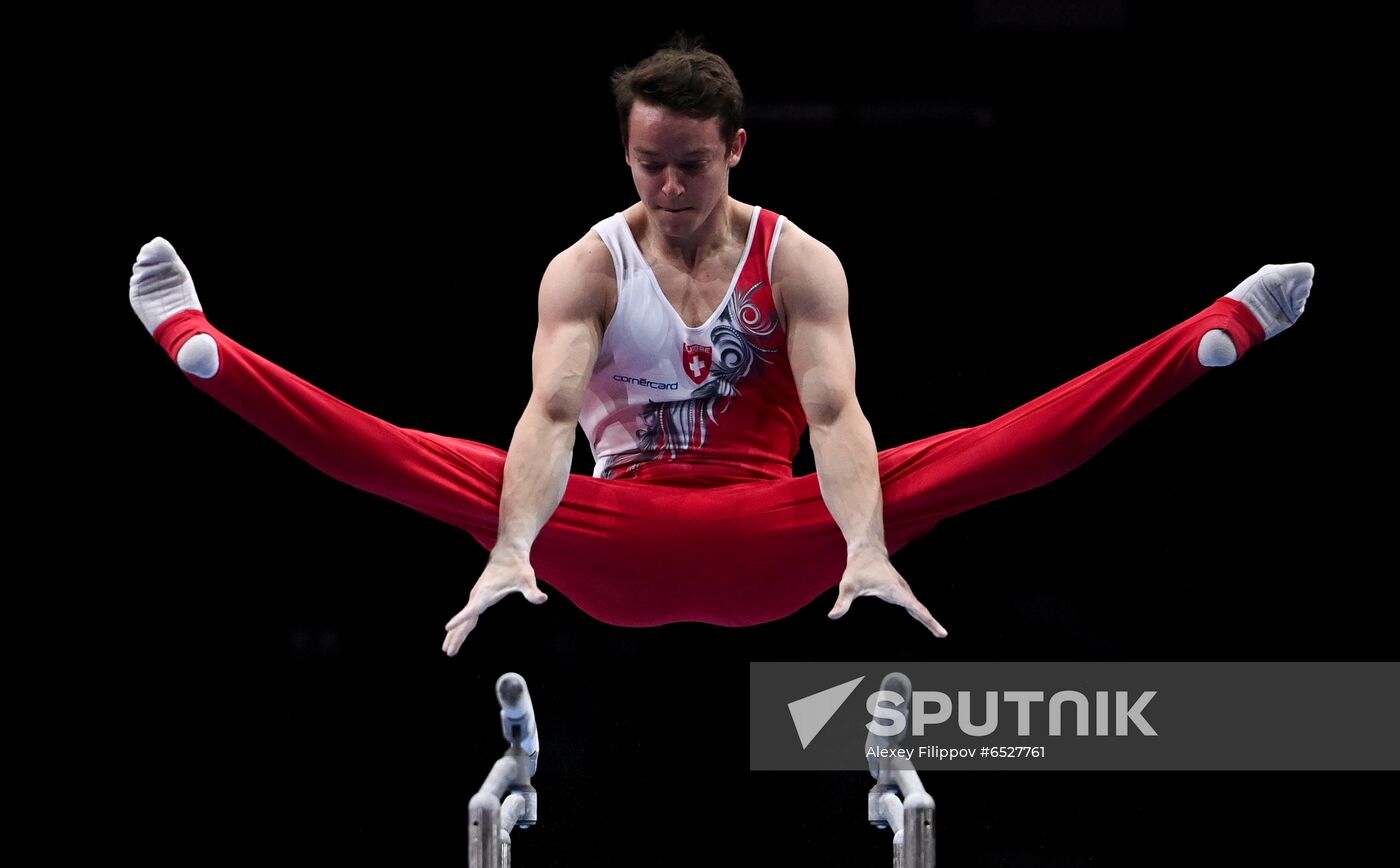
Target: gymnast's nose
{"type": "Point", "coordinates": [671, 185]}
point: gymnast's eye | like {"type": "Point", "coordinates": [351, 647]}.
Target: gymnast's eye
{"type": "Point", "coordinates": [687, 167]}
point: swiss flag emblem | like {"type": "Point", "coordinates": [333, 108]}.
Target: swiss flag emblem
{"type": "Point", "coordinates": [696, 359]}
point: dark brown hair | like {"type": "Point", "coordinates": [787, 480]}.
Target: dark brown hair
{"type": "Point", "coordinates": [684, 77]}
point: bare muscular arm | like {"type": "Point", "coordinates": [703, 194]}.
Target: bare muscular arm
{"type": "Point", "coordinates": [541, 450]}
{"type": "Point", "coordinates": [814, 296]}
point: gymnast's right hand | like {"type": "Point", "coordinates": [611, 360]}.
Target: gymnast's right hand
{"type": "Point", "coordinates": [504, 574]}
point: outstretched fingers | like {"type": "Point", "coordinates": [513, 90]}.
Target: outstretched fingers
{"type": "Point", "coordinates": [919, 612]}
{"type": "Point", "coordinates": [887, 585]}
{"type": "Point", "coordinates": [843, 602]}
{"type": "Point", "coordinates": [532, 592]}
{"type": "Point", "coordinates": [470, 613]}
{"type": "Point", "coordinates": [456, 636]}
{"type": "Point", "coordinates": [488, 592]}
{"type": "Point", "coordinates": [900, 594]}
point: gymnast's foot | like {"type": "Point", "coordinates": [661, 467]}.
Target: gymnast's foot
{"type": "Point", "coordinates": [161, 287]}
{"type": "Point", "coordinates": [1275, 294]}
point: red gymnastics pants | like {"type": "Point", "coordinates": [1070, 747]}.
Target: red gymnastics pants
{"type": "Point", "coordinates": [608, 547]}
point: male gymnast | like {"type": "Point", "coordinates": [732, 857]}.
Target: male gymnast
{"type": "Point", "coordinates": [693, 337]}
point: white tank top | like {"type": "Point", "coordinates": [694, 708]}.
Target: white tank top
{"type": "Point", "coordinates": [712, 404]}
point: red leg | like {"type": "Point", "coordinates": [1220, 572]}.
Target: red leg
{"type": "Point", "coordinates": [583, 551]}
{"type": "Point", "coordinates": [456, 481]}
{"type": "Point", "coordinates": [930, 479]}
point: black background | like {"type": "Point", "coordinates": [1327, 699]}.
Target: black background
{"type": "Point", "coordinates": [1016, 196]}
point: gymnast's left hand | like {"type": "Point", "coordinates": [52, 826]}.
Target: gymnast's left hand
{"type": "Point", "coordinates": [870, 574]}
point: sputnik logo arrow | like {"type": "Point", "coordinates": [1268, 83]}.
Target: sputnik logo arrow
{"type": "Point", "coordinates": [810, 713]}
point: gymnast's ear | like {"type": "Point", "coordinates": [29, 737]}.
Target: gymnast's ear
{"type": "Point", "coordinates": [736, 148]}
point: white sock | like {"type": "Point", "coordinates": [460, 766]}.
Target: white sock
{"type": "Point", "coordinates": [199, 356]}
{"type": "Point", "coordinates": [1275, 294]}
{"type": "Point", "coordinates": [161, 287]}
{"type": "Point", "coordinates": [1216, 350]}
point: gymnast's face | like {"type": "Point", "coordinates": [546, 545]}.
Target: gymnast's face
{"type": "Point", "coordinates": [680, 165]}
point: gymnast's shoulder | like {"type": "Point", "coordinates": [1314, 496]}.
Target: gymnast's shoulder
{"type": "Point", "coordinates": [805, 273]}
{"type": "Point", "coordinates": [581, 280]}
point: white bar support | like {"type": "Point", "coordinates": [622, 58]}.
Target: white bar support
{"type": "Point", "coordinates": [488, 844]}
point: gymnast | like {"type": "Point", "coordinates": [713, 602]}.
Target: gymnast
{"type": "Point", "coordinates": [693, 337]}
